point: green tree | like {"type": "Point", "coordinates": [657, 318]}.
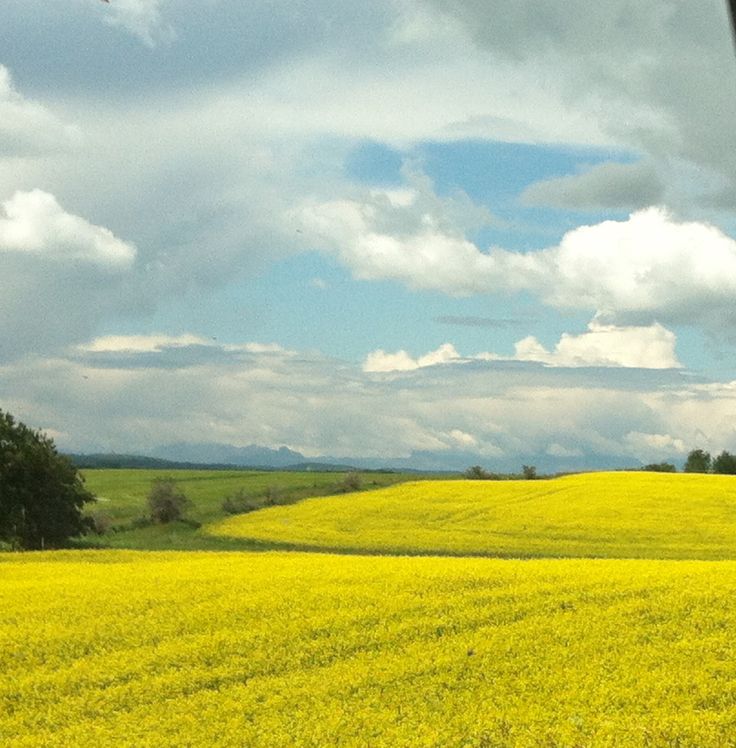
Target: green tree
{"type": "Point", "coordinates": [725, 463]}
{"type": "Point", "coordinates": [660, 467]}
{"type": "Point", "coordinates": [42, 494]}
{"type": "Point", "coordinates": [165, 501]}
{"type": "Point", "coordinates": [529, 472]}
{"type": "Point", "coordinates": [698, 461]}
{"type": "Point", "coordinates": [476, 472]}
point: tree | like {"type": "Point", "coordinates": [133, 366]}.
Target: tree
{"type": "Point", "coordinates": [165, 501]}
{"type": "Point", "coordinates": [529, 472]}
{"type": "Point", "coordinates": [476, 472]}
{"type": "Point", "coordinates": [660, 467]}
{"type": "Point", "coordinates": [725, 463]}
{"type": "Point", "coordinates": [41, 493]}
{"type": "Point", "coordinates": [698, 461]}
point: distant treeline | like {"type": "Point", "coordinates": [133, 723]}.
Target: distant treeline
{"type": "Point", "coordinates": [134, 462]}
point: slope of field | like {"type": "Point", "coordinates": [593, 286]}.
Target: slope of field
{"type": "Point", "coordinates": [610, 515]}
{"type": "Point", "coordinates": [122, 496]}
{"type": "Point", "coordinates": [205, 649]}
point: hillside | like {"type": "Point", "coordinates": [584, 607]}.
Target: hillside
{"type": "Point", "coordinates": [610, 515]}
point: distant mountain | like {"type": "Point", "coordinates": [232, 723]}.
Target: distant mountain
{"type": "Point", "coordinates": [215, 455]}
{"type": "Point", "coordinates": [227, 454]}
{"type": "Point", "coordinates": [124, 461]}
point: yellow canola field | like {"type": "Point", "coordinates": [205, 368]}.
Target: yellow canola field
{"type": "Point", "coordinates": [608, 515]}
{"type": "Point", "coordinates": [277, 649]}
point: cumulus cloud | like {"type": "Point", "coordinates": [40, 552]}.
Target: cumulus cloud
{"type": "Point", "coordinates": [648, 267]}
{"type": "Point", "coordinates": [380, 361]}
{"type": "Point", "coordinates": [27, 128]}
{"type": "Point", "coordinates": [35, 224]}
{"type": "Point", "coordinates": [651, 347]}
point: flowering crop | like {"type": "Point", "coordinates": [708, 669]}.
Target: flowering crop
{"type": "Point", "coordinates": [609, 515]}
{"type": "Point", "coordinates": [276, 649]}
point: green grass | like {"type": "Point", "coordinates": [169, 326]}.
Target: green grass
{"type": "Point", "coordinates": [122, 501]}
{"type": "Point", "coordinates": [608, 515]}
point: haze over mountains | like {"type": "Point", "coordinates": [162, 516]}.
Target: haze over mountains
{"type": "Point", "coordinates": [256, 456]}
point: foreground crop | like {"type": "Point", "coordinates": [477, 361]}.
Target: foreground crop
{"type": "Point", "coordinates": [200, 649]}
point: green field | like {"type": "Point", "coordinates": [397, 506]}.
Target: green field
{"type": "Point", "coordinates": [250, 648]}
{"type": "Point", "coordinates": [121, 500]}
{"type": "Point", "coordinates": [609, 515]}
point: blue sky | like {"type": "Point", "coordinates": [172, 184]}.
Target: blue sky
{"type": "Point", "coordinates": [482, 230]}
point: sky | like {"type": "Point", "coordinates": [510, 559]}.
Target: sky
{"type": "Point", "coordinates": [473, 230]}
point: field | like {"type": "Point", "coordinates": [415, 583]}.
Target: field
{"type": "Point", "coordinates": [284, 648]}
{"type": "Point", "coordinates": [609, 515]}
{"type": "Point", "coordinates": [205, 649]}
{"type": "Point", "coordinates": [122, 496]}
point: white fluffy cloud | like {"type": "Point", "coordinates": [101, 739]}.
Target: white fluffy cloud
{"type": "Point", "coordinates": [35, 224]}
{"type": "Point", "coordinates": [380, 361]}
{"type": "Point", "coordinates": [651, 347]}
{"type": "Point", "coordinates": [648, 267]}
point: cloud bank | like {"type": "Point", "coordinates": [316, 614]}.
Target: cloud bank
{"type": "Point", "coordinates": [648, 267]}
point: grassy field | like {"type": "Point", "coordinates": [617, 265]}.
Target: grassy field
{"type": "Point", "coordinates": [609, 515]}
{"type": "Point", "coordinates": [204, 649]}
{"type": "Point", "coordinates": [147, 648]}
{"type": "Point", "coordinates": [121, 501]}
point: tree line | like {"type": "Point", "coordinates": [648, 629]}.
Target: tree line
{"type": "Point", "coordinates": [700, 461]}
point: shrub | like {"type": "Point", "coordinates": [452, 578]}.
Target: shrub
{"type": "Point", "coordinates": [240, 502]}
{"type": "Point", "coordinates": [165, 501]}
{"type": "Point", "coordinates": [351, 482]}
{"type": "Point", "coordinates": [476, 472]}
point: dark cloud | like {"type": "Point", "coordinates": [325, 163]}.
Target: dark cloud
{"type": "Point", "coordinates": [612, 186]}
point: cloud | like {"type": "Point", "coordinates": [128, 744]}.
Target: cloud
{"type": "Point", "coordinates": [609, 185]}
{"type": "Point", "coordinates": [140, 343]}
{"type": "Point", "coordinates": [380, 361]}
{"type": "Point", "coordinates": [652, 446]}
{"type": "Point", "coordinates": [651, 347]}
{"type": "Point", "coordinates": [143, 19]}
{"type": "Point", "coordinates": [651, 76]}
{"type": "Point", "coordinates": [645, 268]}
{"type": "Point", "coordinates": [35, 224]}
{"type": "Point", "coordinates": [508, 412]}
{"type": "Point", "coordinates": [59, 274]}
{"type": "Point", "coordinates": [27, 128]}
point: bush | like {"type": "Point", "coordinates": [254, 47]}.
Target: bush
{"type": "Point", "coordinates": [165, 502]}
{"type": "Point", "coordinates": [240, 502]}
{"type": "Point", "coordinates": [351, 482]}
{"type": "Point", "coordinates": [476, 472]}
